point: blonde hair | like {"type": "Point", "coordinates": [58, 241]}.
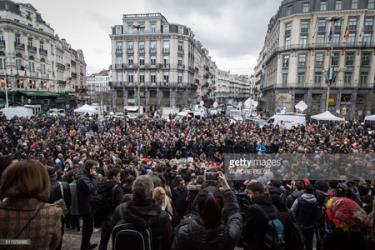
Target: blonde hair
{"type": "Point", "coordinates": [158, 191]}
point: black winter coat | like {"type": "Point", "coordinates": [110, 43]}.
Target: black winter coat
{"type": "Point", "coordinates": [86, 190]}
{"type": "Point", "coordinates": [191, 235]}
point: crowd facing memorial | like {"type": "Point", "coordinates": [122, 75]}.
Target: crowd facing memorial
{"type": "Point", "coordinates": [163, 184]}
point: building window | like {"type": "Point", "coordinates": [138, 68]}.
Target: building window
{"type": "Point", "coordinates": [153, 28]}
{"type": "Point", "coordinates": [323, 5]}
{"type": "Point", "coordinates": [131, 78]}
{"type": "Point", "coordinates": [141, 61]}
{"type": "Point", "coordinates": [2, 63]}
{"type": "Point", "coordinates": [119, 45]}
{"type": "Point", "coordinates": [166, 78]}
{"type": "Point", "coordinates": [130, 45]}
{"type": "Point", "coordinates": [367, 37]}
{"type": "Point", "coordinates": [286, 61]}
{"type": "Point", "coordinates": [153, 78]}
{"type": "Point", "coordinates": [371, 4]}
{"type": "Point", "coordinates": [289, 10]}
{"type": "Point", "coordinates": [306, 7]}
{"type": "Point", "coordinates": [335, 58]}
{"type": "Point", "coordinates": [318, 78]}
{"type": "Point", "coordinates": [287, 42]}
{"type": "Point", "coordinates": [179, 79]}
{"type": "Point", "coordinates": [366, 59]}
{"type": "Point", "coordinates": [285, 79]}
{"type": "Point", "coordinates": [118, 60]}
{"type": "Point", "coordinates": [42, 68]}
{"type": "Point", "coordinates": [142, 78]}
{"type": "Point", "coordinates": [302, 60]}
{"type": "Point", "coordinates": [349, 60]}
{"type": "Point", "coordinates": [31, 65]}
{"type": "Point", "coordinates": [166, 44]}
{"type": "Point", "coordinates": [320, 39]}
{"type": "Point", "coordinates": [179, 61]}
{"type": "Point", "coordinates": [130, 61]}
{"type": "Point", "coordinates": [353, 24]}
{"type": "Point", "coordinates": [41, 45]}
{"type": "Point", "coordinates": [165, 28]}
{"type": "Point", "coordinates": [364, 79]}
{"type": "Point", "coordinates": [153, 60]}
{"type": "Point", "coordinates": [338, 5]}
{"type": "Point", "coordinates": [18, 63]}
{"type": "Point", "coordinates": [322, 25]}
{"type": "Point", "coordinates": [165, 61]}
{"type": "Point", "coordinates": [301, 78]}
{"type": "Point", "coordinates": [30, 42]}
{"type": "Point", "coordinates": [305, 27]}
{"type": "Point", "coordinates": [288, 34]}
{"type": "Point", "coordinates": [369, 24]}
{"type": "Point", "coordinates": [18, 39]}
{"type": "Point", "coordinates": [319, 59]}
{"type": "Point", "coordinates": [351, 39]}
{"type": "Point", "coordinates": [141, 45]}
{"type": "Point", "coordinates": [348, 79]}
{"type": "Point", "coordinates": [337, 26]}
{"type": "Point", "coordinates": [336, 38]}
{"type": "Point", "coordinates": [303, 41]}
{"type": "Point", "coordinates": [153, 44]}
{"type": "Point", "coordinates": [354, 4]}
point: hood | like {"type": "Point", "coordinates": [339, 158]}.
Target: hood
{"type": "Point", "coordinates": [141, 212]}
{"type": "Point", "coordinates": [310, 198]}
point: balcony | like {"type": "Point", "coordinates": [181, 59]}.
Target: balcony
{"type": "Point", "coordinates": [119, 66]}
{"type": "Point", "coordinates": [165, 66]}
{"type": "Point", "coordinates": [118, 51]}
{"type": "Point", "coordinates": [2, 44]}
{"type": "Point", "coordinates": [74, 75]}
{"type": "Point", "coordinates": [44, 76]}
{"type": "Point", "coordinates": [165, 50]}
{"type": "Point", "coordinates": [180, 52]}
{"type": "Point", "coordinates": [60, 66]}
{"type": "Point", "coordinates": [31, 49]}
{"type": "Point", "coordinates": [33, 74]}
{"type": "Point", "coordinates": [153, 66]}
{"type": "Point", "coordinates": [130, 51]}
{"type": "Point", "coordinates": [19, 46]}
{"type": "Point", "coordinates": [153, 51]}
{"type": "Point", "coordinates": [180, 66]}
{"type": "Point", "coordinates": [43, 52]}
{"type": "Point", "coordinates": [141, 51]}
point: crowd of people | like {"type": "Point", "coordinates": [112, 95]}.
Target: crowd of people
{"type": "Point", "coordinates": [166, 181]}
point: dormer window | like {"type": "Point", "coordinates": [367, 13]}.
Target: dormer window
{"type": "Point", "coordinates": [28, 16]}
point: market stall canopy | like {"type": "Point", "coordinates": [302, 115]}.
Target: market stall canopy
{"type": "Point", "coordinates": [86, 109]}
{"type": "Point", "coordinates": [370, 118]}
{"type": "Point", "coordinates": [327, 116]}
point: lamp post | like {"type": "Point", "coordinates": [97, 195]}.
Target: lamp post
{"type": "Point", "coordinates": [138, 27]}
{"type": "Point", "coordinates": [330, 73]}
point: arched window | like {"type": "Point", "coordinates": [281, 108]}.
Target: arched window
{"type": "Point", "coordinates": [2, 61]}
{"type": "Point", "coordinates": [19, 62]}
{"type": "Point", "coordinates": [43, 66]}
{"type": "Point", "coordinates": [31, 64]}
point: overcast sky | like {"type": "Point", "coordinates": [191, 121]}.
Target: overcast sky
{"type": "Point", "coordinates": [232, 30]}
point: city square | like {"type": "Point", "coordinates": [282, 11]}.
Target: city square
{"type": "Point", "coordinates": [187, 125]}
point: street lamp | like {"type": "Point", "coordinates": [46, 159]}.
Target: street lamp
{"type": "Point", "coordinates": [330, 73]}
{"type": "Point", "coordinates": [138, 27]}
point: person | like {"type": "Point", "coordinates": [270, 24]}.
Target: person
{"type": "Point", "coordinates": [142, 211]}
{"type": "Point", "coordinates": [307, 213]}
{"type": "Point", "coordinates": [114, 192]}
{"type": "Point", "coordinates": [218, 224]}
{"type": "Point", "coordinates": [74, 212]}
{"type": "Point", "coordinates": [297, 192]}
{"type": "Point", "coordinates": [59, 190]}
{"type": "Point", "coordinates": [255, 225]}
{"type": "Point", "coordinates": [24, 193]}
{"type": "Point", "coordinates": [86, 190]}
{"type": "Point", "coordinates": [179, 197]}
{"type": "Point", "coordinates": [163, 200]}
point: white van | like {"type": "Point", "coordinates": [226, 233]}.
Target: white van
{"type": "Point", "coordinates": [56, 112]}
{"type": "Point", "coordinates": [133, 112]}
{"type": "Point", "coordinates": [288, 121]}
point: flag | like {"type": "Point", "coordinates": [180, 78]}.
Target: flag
{"type": "Point", "coordinates": [346, 34]}
{"type": "Point", "coordinates": [330, 35]}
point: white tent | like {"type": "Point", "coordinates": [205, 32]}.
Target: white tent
{"type": "Point", "coordinates": [370, 118]}
{"type": "Point", "coordinates": [326, 116]}
{"type": "Point", "coordinates": [86, 109]}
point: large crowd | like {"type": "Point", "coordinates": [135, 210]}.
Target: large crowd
{"type": "Point", "coordinates": [166, 181]}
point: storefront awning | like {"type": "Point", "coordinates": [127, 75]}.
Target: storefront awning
{"type": "Point", "coordinates": [39, 93]}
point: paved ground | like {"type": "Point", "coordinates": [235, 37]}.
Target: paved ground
{"type": "Point", "coordinates": [72, 240]}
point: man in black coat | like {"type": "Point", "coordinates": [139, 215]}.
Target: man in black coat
{"type": "Point", "coordinates": [86, 190]}
{"type": "Point", "coordinates": [255, 225]}
{"type": "Point", "coordinates": [142, 210]}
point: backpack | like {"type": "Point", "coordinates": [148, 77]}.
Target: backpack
{"type": "Point", "coordinates": [103, 203]}
{"type": "Point", "coordinates": [128, 236]}
{"type": "Point", "coordinates": [297, 236]}
{"type": "Point", "coordinates": [274, 236]}
{"type": "Point", "coordinates": [307, 214]}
